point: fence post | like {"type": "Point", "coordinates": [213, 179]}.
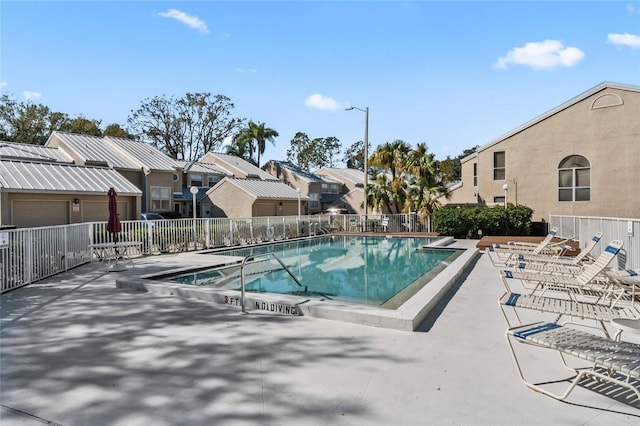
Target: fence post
{"type": "Point", "coordinates": [150, 239]}
{"type": "Point", "coordinates": [66, 249]}
{"type": "Point", "coordinates": [29, 263]}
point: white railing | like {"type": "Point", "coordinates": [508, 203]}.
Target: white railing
{"type": "Point", "coordinates": [32, 254]}
{"type": "Point", "coordinates": [36, 253]}
{"type": "Point", "coordinates": [582, 228]}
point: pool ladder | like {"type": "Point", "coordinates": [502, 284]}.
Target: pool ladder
{"type": "Point", "coordinates": [242, 280]}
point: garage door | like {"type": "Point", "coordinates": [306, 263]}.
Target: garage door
{"type": "Point", "coordinates": [98, 211]}
{"type": "Point", "coordinates": [26, 213]}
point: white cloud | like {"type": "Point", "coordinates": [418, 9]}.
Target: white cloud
{"type": "Point", "coordinates": [632, 9]}
{"type": "Point", "coordinates": [544, 55]}
{"type": "Point", "coordinates": [190, 21]}
{"type": "Point", "coordinates": [3, 84]}
{"type": "Point", "coordinates": [31, 96]}
{"type": "Point", "coordinates": [246, 70]}
{"type": "Point", "coordinates": [322, 102]}
{"type": "Point", "coordinates": [626, 39]}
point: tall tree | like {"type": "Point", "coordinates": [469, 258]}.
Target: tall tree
{"type": "Point", "coordinates": [188, 127]}
{"type": "Point", "coordinates": [300, 152]}
{"type": "Point", "coordinates": [354, 156]}
{"type": "Point", "coordinates": [332, 150]}
{"type": "Point", "coordinates": [451, 167]}
{"type": "Point", "coordinates": [313, 154]}
{"type": "Point", "coordinates": [255, 136]}
{"type": "Point", "coordinates": [390, 157]}
{"type": "Point", "coordinates": [426, 184]}
{"type": "Point", "coordinates": [26, 122]}
{"type": "Point", "coordinates": [242, 147]}
{"type": "Point", "coordinates": [379, 193]}
{"type": "Point", "coordinates": [115, 130]}
{"type": "Point", "coordinates": [83, 126]}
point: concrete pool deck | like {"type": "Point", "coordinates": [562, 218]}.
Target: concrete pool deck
{"type": "Point", "coordinates": [76, 350]}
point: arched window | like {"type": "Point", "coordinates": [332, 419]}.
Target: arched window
{"type": "Point", "coordinates": [574, 179]}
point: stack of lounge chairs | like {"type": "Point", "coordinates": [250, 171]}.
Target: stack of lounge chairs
{"type": "Point", "coordinates": [581, 292]}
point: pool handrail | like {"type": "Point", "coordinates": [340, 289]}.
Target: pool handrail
{"type": "Point", "coordinates": [252, 257]}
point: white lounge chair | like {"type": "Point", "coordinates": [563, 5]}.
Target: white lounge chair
{"type": "Point", "coordinates": [615, 362]}
{"type": "Point", "coordinates": [501, 254]}
{"type": "Point", "coordinates": [543, 262]}
{"type": "Point", "coordinates": [582, 310]}
{"type": "Point", "coordinates": [591, 279]}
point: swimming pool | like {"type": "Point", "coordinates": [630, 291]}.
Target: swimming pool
{"type": "Point", "coordinates": [405, 311]}
{"type": "Point", "coordinates": [368, 270]}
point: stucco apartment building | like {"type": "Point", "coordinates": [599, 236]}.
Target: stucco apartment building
{"type": "Point", "coordinates": [66, 181]}
{"type": "Point", "coordinates": [349, 183]}
{"type": "Point", "coordinates": [581, 158]}
{"type": "Point", "coordinates": [41, 186]}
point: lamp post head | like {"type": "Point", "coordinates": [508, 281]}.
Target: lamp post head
{"type": "Point", "coordinates": [193, 190]}
{"type": "Point", "coordinates": [505, 186]}
{"type": "Point", "coordinates": [349, 108]}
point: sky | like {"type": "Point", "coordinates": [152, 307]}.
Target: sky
{"type": "Point", "coordinates": [451, 74]}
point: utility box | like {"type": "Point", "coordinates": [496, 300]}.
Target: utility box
{"type": "Point", "coordinates": [539, 229]}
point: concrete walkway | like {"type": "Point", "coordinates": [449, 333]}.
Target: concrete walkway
{"type": "Point", "coordinates": [75, 350]}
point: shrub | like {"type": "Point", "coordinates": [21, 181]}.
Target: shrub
{"type": "Point", "coordinates": [496, 220]}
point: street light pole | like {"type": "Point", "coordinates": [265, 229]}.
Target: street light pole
{"type": "Point", "coordinates": [366, 157]}
{"type": "Point", "coordinates": [506, 188]}
{"type": "Point", "coordinates": [194, 191]}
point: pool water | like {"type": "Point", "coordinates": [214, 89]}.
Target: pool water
{"type": "Point", "coordinates": [378, 271]}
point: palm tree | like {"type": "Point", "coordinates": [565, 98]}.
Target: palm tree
{"type": "Point", "coordinates": [241, 147]}
{"type": "Point", "coordinates": [426, 185]}
{"type": "Point", "coordinates": [256, 135]}
{"type": "Point", "coordinates": [379, 192]}
{"type": "Point", "coordinates": [391, 157]}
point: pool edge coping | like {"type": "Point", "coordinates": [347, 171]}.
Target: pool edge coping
{"type": "Point", "coordinates": [406, 317]}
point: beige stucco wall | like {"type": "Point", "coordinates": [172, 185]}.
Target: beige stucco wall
{"type": "Point", "coordinates": [229, 201]}
{"type": "Point", "coordinates": [287, 177]}
{"type": "Point", "coordinates": [608, 137]}
{"type": "Point", "coordinates": [159, 179]}
{"type": "Point", "coordinates": [36, 209]}
{"type": "Point", "coordinates": [354, 201]}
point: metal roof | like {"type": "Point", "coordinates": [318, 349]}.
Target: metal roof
{"type": "Point", "coordinates": [26, 176]}
{"type": "Point", "coordinates": [198, 167]}
{"type": "Point", "coordinates": [246, 168]}
{"type": "Point", "coordinates": [263, 189]}
{"type": "Point", "coordinates": [25, 151]}
{"type": "Point", "coordinates": [298, 171]}
{"type": "Point", "coordinates": [93, 149]}
{"type": "Point", "coordinates": [351, 175]}
{"type": "Point", "coordinates": [145, 154]}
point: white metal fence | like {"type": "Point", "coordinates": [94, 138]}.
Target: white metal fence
{"type": "Point", "coordinates": [32, 254]}
{"type": "Point", "coordinates": [582, 228]}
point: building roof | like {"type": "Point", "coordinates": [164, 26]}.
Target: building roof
{"type": "Point", "coordinates": [263, 189]}
{"type": "Point", "coordinates": [298, 171]}
{"type": "Point", "coordinates": [25, 151]}
{"type": "Point", "coordinates": [93, 149]}
{"type": "Point", "coordinates": [569, 103]}
{"type": "Point", "coordinates": [145, 154]}
{"type": "Point", "coordinates": [27, 176]}
{"type": "Point", "coordinates": [231, 162]}
{"type": "Point", "coordinates": [198, 167]}
{"type": "Point", "coordinates": [344, 175]}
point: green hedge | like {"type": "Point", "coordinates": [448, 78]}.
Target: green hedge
{"type": "Point", "coordinates": [496, 220]}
